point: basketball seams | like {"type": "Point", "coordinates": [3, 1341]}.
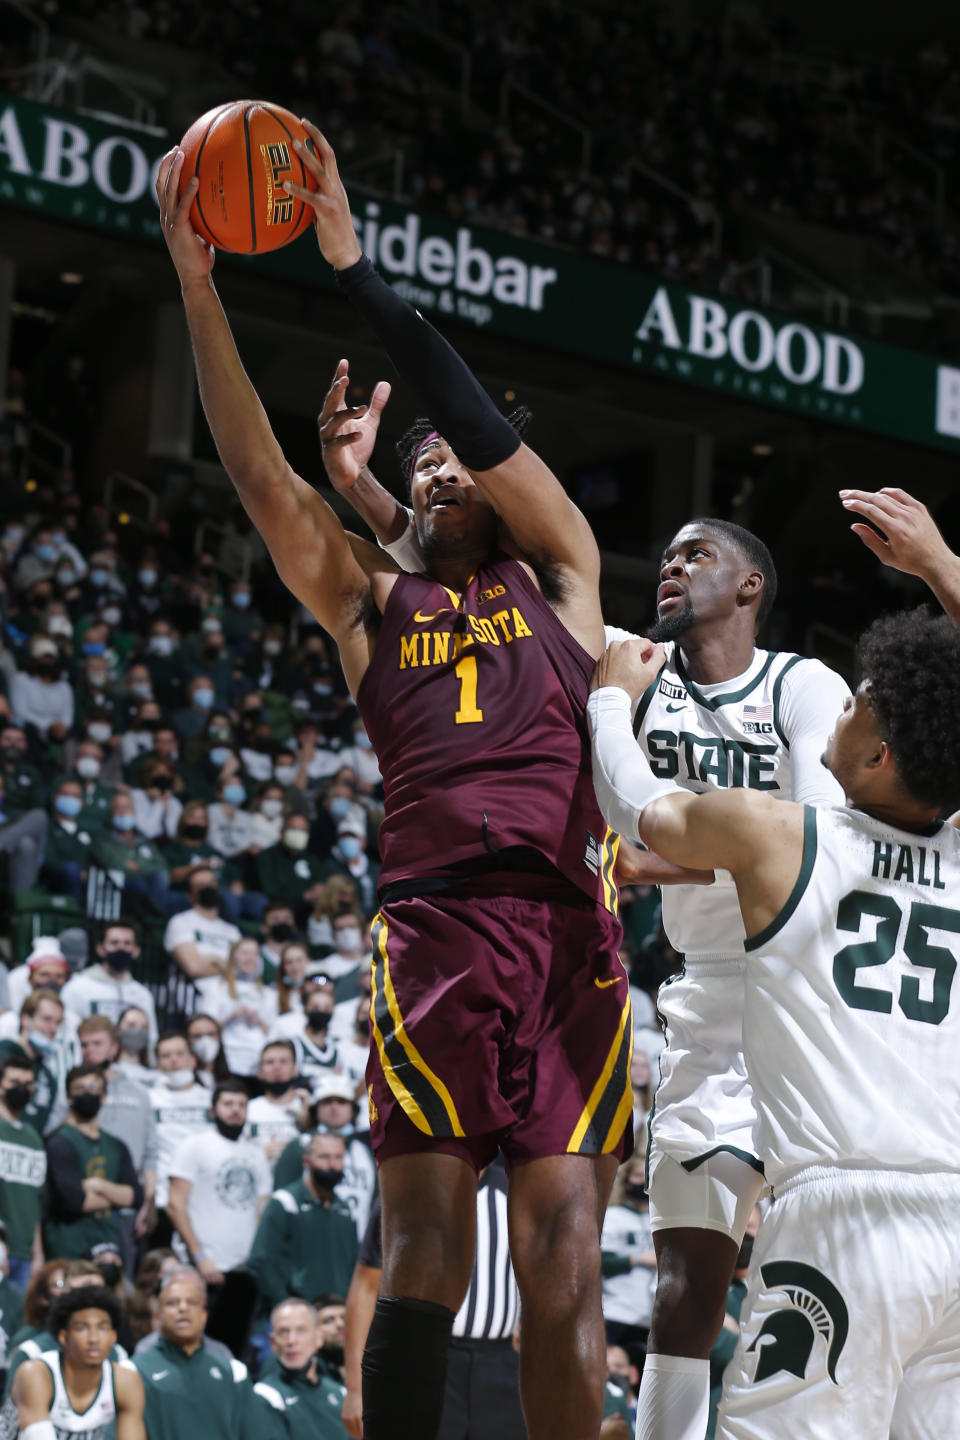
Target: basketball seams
{"type": "Point", "coordinates": [196, 165]}
{"type": "Point", "coordinates": [253, 204]}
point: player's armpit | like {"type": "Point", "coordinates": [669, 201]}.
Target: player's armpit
{"type": "Point", "coordinates": [721, 830]}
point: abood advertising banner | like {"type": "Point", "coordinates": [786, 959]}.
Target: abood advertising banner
{"type": "Point", "coordinates": [76, 168]}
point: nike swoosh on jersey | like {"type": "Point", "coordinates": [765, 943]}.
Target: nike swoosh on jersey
{"type": "Point", "coordinates": [672, 709]}
{"type": "Point", "coordinates": [603, 984]}
{"type": "Point", "coordinates": [422, 619]}
{"type": "Point", "coordinates": [160, 1374]}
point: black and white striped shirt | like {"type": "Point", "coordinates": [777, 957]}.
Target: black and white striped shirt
{"type": "Point", "coordinates": [491, 1308]}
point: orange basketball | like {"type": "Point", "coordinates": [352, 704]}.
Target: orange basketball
{"type": "Point", "coordinates": [241, 154]}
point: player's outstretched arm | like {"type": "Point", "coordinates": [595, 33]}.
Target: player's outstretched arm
{"type": "Point", "coordinates": [304, 536]}
{"type": "Point", "coordinates": [910, 542]}
{"type": "Point", "coordinates": [544, 522]}
{"type": "Point", "coordinates": [130, 1400]}
{"type": "Point", "coordinates": [32, 1394]}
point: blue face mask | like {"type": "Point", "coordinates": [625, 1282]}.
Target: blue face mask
{"type": "Point", "coordinates": [99, 577]}
{"type": "Point", "coordinates": [362, 740]}
{"type": "Point", "coordinates": [45, 552]}
{"type": "Point", "coordinates": [203, 699]}
{"type": "Point", "coordinates": [39, 1041]}
{"type": "Point", "coordinates": [241, 599]}
{"type": "Point", "coordinates": [339, 807]}
{"type": "Point", "coordinates": [234, 794]}
{"type": "Point", "coordinates": [93, 647]}
{"type": "Point", "coordinates": [147, 577]}
{"type": "Point", "coordinates": [220, 754]}
{"type": "Point", "coordinates": [124, 822]}
{"type": "Point", "coordinates": [68, 805]}
{"type": "Point", "coordinates": [349, 846]}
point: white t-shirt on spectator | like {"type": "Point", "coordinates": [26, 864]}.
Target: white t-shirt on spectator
{"type": "Point", "coordinates": [267, 1121]}
{"type": "Point", "coordinates": [227, 1178]}
{"type": "Point", "coordinates": [242, 1042]}
{"type": "Point", "coordinates": [95, 992]}
{"type": "Point", "coordinates": [156, 819]}
{"type": "Point", "coordinates": [177, 1114]}
{"type": "Point", "coordinates": [211, 937]}
{"type": "Point", "coordinates": [228, 834]}
{"type": "Point", "coordinates": [34, 702]}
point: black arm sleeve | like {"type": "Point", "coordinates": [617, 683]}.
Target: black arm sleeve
{"type": "Point", "coordinates": [63, 1179]}
{"type": "Point", "coordinates": [127, 1175]}
{"type": "Point", "coordinates": [457, 404]}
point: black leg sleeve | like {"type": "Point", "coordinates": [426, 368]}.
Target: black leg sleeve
{"type": "Point", "coordinates": [458, 405]}
{"type": "Point", "coordinates": [405, 1369]}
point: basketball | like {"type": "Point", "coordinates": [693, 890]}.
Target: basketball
{"type": "Point", "coordinates": [241, 153]}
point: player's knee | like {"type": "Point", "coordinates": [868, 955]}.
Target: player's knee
{"type": "Point", "coordinates": [688, 1310]}
{"type": "Point", "coordinates": [424, 1258]}
{"type": "Point", "coordinates": [562, 1261]}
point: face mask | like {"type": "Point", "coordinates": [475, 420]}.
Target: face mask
{"type": "Point", "coordinates": [276, 1087]}
{"type": "Point", "coordinates": [88, 768]}
{"type": "Point", "coordinates": [17, 1097]}
{"type": "Point", "coordinates": [339, 807]}
{"type": "Point", "coordinates": [12, 752]}
{"type": "Point", "coordinates": [362, 740]}
{"type": "Point", "coordinates": [210, 626]}
{"type": "Point", "coordinates": [349, 938]}
{"type": "Point", "coordinates": [111, 614]}
{"type": "Point", "coordinates": [220, 754]}
{"type": "Point", "coordinates": [363, 1024]}
{"type": "Point", "coordinates": [273, 809]}
{"type": "Point", "coordinates": [141, 689]}
{"type": "Point", "coordinates": [219, 732]}
{"type": "Point", "coordinates": [59, 625]}
{"type": "Point", "coordinates": [272, 647]}
{"type": "Point", "coordinates": [317, 1021]}
{"type": "Point", "coordinates": [241, 599]}
{"type": "Point", "coordinates": [281, 931]}
{"type": "Point", "coordinates": [252, 715]}
{"type": "Point", "coordinates": [284, 774]}
{"type": "Point", "coordinates": [161, 645]}
{"type": "Point", "coordinates": [147, 578]}
{"type": "Point", "coordinates": [38, 1041]}
{"type": "Point", "coordinates": [99, 578]}
{"type": "Point", "coordinates": [12, 537]}
{"type": "Point", "coordinates": [134, 1039]}
{"type": "Point", "coordinates": [349, 846]}
{"type": "Point", "coordinates": [745, 1252]}
{"type": "Point", "coordinates": [86, 1104]}
{"type": "Point", "coordinates": [207, 897]}
{"type": "Point", "coordinates": [203, 699]}
{"type": "Point", "coordinates": [325, 1179]}
{"type": "Point", "coordinates": [206, 1048]}
{"type": "Point", "coordinates": [320, 687]}
{"type": "Point", "coordinates": [179, 1079]}
{"type": "Point", "coordinates": [97, 679]}
{"type": "Point", "coordinates": [99, 733]}
{"type": "Point", "coordinates": [66, 575]}
{"type": "Point", "coordinates": [234, 794]}
{"type": "Point", "coordinates": [295, 839]}
{"type": "Point", "coordinates": [291, 984]}
{"type": "Point", "coordinates": [68, 805]}
{"type": "Point", "coordinates": [634, 1192]}
{"type": "Point", "coordinates": [124, 822]}
{"type": "Point", "coordinates": [229, 1132]}
{"type": "Point", "coordinates": [161, 782]}
{"type": "Point", "coordinates": [194, 832]}
{"type": "Point", "coordinates": [93, 647]}
{"type": "Point", "coordinates": [333, 1354]}
{"type": "Point", "coordinates": [45, 552]}
{"type": "Point", "coordinates": [119, 959]}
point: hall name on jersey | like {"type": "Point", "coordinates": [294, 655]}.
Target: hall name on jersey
{"type": "Point", "coordinates": [912, 864]}
{"type": "Point", "coordinates": [712, 759]}
{"type": "Point", "coordinates": [438, 647]}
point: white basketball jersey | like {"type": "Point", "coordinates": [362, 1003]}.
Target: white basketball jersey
{"type": "Point", "coordinates": [730, 735]}
{"type": "Point", "coordinates": [851, 1025]}
{"type": "Point", "coordinates": [67, 1424]}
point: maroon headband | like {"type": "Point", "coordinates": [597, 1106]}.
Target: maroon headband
{"type": "Point", "coordinates": [434, 435]}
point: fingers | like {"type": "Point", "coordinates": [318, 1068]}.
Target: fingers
{"type": "Point", "coordinates": [873, 541]}
{"type": "Point", "coordinates": [334, 400]}
{"type": "Point", "coordinates": [379, 398]}
{"type": "Point", "coordinates": [870, 510]}
{"type": "Point", "coordinates": [325, 157]}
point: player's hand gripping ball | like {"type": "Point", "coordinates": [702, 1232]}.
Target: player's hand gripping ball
{"type": "Point", "coordinates": [241, 153]}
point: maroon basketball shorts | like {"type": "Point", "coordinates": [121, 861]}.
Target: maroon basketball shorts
{"type": "Point", "coordinates": [499, 1020]}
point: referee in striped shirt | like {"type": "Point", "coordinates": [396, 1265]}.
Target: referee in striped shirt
{"type": "Point", "coordinates": [482, 1397]}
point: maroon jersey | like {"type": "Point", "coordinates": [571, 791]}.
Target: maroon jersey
{"type": "Point", "coordinates": [475, 705]}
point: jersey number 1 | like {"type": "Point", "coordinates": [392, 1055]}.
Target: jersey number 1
{"type": "Point", "coordinates": [466, 673]}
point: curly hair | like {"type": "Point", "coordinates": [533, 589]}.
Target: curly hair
{"type": "Point", "coordinates": [85, 1297]}
{"type": "Point", "coordinates": [910, 663]}
{"type": "Point", "coordinates": [408, 446]}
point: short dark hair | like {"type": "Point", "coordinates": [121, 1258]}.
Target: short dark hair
{"type": "Point", "coordinates": [287, 1045]}
{"type": "Point", "coordinates": [121, 923]}
{"type": "Point", "coordinates": [411, 440]}
{"type": "Point", "coordinates": [81, 1072]}
{"type": "Point", "coordinates": [754, 551]}
{"type": "Point", "coordinates": [229, 1087]}
{"type": "Point", "coordinates": [911, 665]}
{"type": "Point", "coordinates": [14, 1062]}
{"type": "Point", "coordinates": [173, 1035]}
{"type": "Point", "coordinates": [85, 1297]}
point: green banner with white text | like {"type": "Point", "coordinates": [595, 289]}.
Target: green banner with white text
{"type": "Point", "coordinates": [91, 172]}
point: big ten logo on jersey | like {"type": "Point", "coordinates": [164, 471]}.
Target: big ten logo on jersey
{"type": "Point", "coordinates": [758, 720]}
{"type": "Point", "coordinates": [493, 594]}
{"type": "Point", "coordinates": [437, 647]}
{"type": "Point", "coordinates": [276, 162]}
{"type": "Point", "coordinates": [712, 760]}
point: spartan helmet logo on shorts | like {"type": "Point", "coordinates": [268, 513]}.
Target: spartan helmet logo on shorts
{"type": "Point", "coordinates": [787, 1337]}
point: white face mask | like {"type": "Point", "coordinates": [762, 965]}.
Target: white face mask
{"type": "Point", "coordinates": [348, 938]}
{"type": "Point", "coordinates": [99, 732]}
{"type": "Point", "coordinates": [205, 1047]}
{"type": "Point", "coordinates": [273, 809]}
{"type": "Point", "coordinates": [284, 774]}
{"type": "Point", "coordinates": [179, 1079]}
{"type": "Point", "coordinates": [295, 839]}
{"type": "Point", "coordinates": [87, 767]}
